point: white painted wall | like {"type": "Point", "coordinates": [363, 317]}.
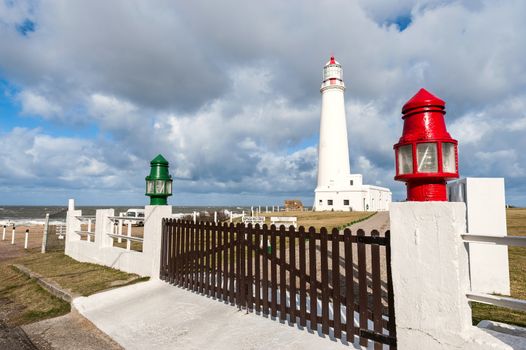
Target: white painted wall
{"type": "Point", "coordinates": [486, 215]}
{"type": "Point", "coordinates": [431, 278]}
{"type": "Point", "coordinates": [361, 198]}
{"type": "Point", "coordinates": [102, 252]}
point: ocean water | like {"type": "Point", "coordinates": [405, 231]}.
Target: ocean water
{"type": "Point", "coordinates": [35, 215]}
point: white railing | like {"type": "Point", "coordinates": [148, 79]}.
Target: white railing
{"type": "Point", "coordinates": [119, 221]}
{"type": "Point", "coordinates": [284, 220]}
{"type": "Point", "coordinates": [89, 233]}
{"type": "Point", "coordinates": [497, 300]}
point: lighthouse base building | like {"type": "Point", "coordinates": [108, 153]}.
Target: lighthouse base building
{"type": "Point", "coordinates": [352, 195]}
{"type": "Point", "coordinates": [338, 189]}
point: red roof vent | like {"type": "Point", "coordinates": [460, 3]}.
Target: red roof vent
{"type": "Point", "coordinates": [423, 98]}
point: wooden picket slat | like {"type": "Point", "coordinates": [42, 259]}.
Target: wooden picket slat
{"type": "Point", "coordinates": [377, 289]}
{"type": "Point", "coordinates": [249, 277]}
{"type": "Point", "coordinates": [324, 281]}
{"type": "Point", "coordinates": [313, 293]}
{"type": "Point", "coordinates": [257, 267]}
{"type": "Point", "coordinates": [349, 286]}
{"type": "Point", "coordinates": [273, 272]}
{"type": "Point", "coordinates": [335, 268]}
{"type": "Point", "coordinates": [303, 278]}
{"type": "Point", "coordinates": [265, 282]}
{"type": "Point", "coordinates": [292, 273]}
{"type": "Point", "coordinates": [282, 275]}
{"type": "Point", "coordinates": [391, 325]}
{"type": "Point", "coordinates": [231, 257]}
{"type": "Point", "coordinates": [362, 286]}
{"type": "Point", "coordinates": [226, 235]}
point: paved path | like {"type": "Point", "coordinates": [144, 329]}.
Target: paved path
{"type": "Point", "coordinates": [156, 315]}
{"type": "Point", "coordinates": [379, 221]}
{"type": "Point", "coordinates": [71, 331]}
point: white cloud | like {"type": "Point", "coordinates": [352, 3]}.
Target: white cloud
{"type": "Point", "coordinates": [35, 104]}
{"type": "Point", "coordinates": [228, 91]}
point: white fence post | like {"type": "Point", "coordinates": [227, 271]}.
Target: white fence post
{"type": "Point", "coordinates": [104, 225]}
{"type": "Point", "coordinates": [430, 278]}
{"type": "Point", "coordinates": [119, 230]}
{"type": "Point", "coordinates": [486, 215]}
{"type": "Point", "coordinates": [45, 233]}
{"type": "Point", "coordinates": [26, 238]}
{"type": "Point", "coordinates": [129, 234]}
{"type": "Point", "coordinates": [88, 236]}
{"type": "Point", "coordinates": [152, 235]}
{"type": "Point", "coordinates": [72, 225]}
{"type": "Point", "coordinates": [215, 217]}
{"type": "Point", "coordinates": [13, 233]}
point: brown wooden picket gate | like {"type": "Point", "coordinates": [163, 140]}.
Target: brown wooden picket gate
{"type": "Point", "coordinates": [286, 273]}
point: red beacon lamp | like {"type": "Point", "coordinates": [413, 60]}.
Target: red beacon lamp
{"type": "Point", "coordinates": [426, 155]}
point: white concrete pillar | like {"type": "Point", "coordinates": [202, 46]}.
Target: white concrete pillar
{"type": "Point", "coordinates": [103, 226]}
{"type": "Point", "coordinates": [231, 214]}
{"type": "Point", "coordinates": [3, 234]}
{"type": "Point", "coordinates": [430, 278]}
{"type": "Point", "coordinates": [153, 217]}
{"type": "Point", "coordinates": [195, 217]}
{"type": "Point", "coordinates": [486, 215]}
{"type": "Point", "coordinates": [72, 225]}
{"type": "Point", "coordinates": [215, 217]}
{"type": "Point", "coordinates": [13, 233]}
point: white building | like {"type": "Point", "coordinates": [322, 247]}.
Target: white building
{"type": "Point", "coordinates": [338, 189]}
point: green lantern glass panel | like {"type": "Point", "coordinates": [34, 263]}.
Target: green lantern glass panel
{"type": "Point", "coordinates": [150, 186]}
{"type": "Point", "coordinates": [159, 187]}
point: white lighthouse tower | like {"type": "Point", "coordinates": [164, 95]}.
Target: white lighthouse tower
{"type": "Point", "coordinates": [337, 188]}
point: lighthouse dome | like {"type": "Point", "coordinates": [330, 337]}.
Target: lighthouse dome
{"type": "Point", "coordinates": [332, 61]}
{"type": "Point", "coordinates": [332, 73]}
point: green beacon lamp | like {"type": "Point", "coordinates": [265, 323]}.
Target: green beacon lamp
{"type": "Point", "coordinates": [159, 182]}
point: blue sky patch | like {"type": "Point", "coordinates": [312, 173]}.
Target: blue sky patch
{"type": "Point", "coordinates": [26, 27]}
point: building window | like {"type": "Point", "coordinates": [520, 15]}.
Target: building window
{"type": "Point", "coordinates": [329, 201]}
{"type": "Point", "coordinates": [345, 202]}
{"type": "Point", "coordinates": [352, 182]}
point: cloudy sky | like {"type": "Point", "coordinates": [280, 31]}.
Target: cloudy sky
{"type": "Point", "coordinates": [228, 92]}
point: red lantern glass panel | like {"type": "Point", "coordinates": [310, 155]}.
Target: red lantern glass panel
{"type": "Point", "coordinates": [449, 164]}
{"type": "Point", "coordinates": [405, 160]}
{"type": "Point", "coordinates": [427, 158]}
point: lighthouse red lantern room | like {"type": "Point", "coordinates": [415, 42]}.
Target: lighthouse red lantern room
{"type": "Point", "coordinates": [426, 155]}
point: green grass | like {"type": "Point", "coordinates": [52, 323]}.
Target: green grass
{"type": "Point", "coordinates": [516, 223]}
{"type": "Point", "coordinates": [23, 301]}
{"type": "Point", "coordinates": [80, 278]}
